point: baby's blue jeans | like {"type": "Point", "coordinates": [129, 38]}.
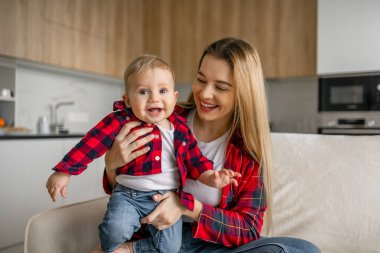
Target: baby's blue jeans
{"type": "Point", "coordinates": [124, 210]}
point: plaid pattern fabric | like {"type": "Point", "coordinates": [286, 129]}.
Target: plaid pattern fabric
{"type": "Point", "coordinates": [95, 143]}
{"type": "Point", "coordinates": [239, 217]}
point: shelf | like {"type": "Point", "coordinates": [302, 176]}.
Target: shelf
{"type": "Point", "coordinates": [7, 99]}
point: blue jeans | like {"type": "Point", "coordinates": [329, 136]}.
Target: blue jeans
{"type": "Point", "coordinates": [263, 245]}
{"type": "Point", "coordinates": [124, 210]}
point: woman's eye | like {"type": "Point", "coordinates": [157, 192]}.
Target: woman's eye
{"type": "Point", "coordinates": [221, 87]}
{"type": "Point", "coordinates": [164, 91]}
{"type": "Point", "coordinates": [201, 80]}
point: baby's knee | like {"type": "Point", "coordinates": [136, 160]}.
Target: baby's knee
{"type": "Point", "coordinates": [115, 232]}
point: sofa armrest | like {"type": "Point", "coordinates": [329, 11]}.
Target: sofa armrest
{"type": "Point", "coordinates": [71, 228]}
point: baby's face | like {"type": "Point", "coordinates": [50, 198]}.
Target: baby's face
{"type": "Point", "coordinates": [152, 96]}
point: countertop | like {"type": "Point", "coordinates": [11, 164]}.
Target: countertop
{"type": "Point", "coordinates": [39, 136]}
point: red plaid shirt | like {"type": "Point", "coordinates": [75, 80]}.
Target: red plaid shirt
{"type": "Point", "coordinates": [239, 217]}
{"type": "Point", "coordinates": [95, 143]}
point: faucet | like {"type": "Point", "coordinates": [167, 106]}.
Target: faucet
{"type": "Point", "coordinates": [56, 127]}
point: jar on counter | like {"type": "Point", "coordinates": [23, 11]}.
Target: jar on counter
{"type": "Point", "coordinates": [43, 125]}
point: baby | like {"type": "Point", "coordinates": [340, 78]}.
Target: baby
{"type": "Point", "coordinates": [173, 155]}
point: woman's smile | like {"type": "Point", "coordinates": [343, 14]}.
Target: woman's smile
{"type": "Point", "coordinates": [207, 107]}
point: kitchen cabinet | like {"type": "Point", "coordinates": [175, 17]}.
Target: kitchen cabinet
{"type": "Point", "coordinates": [347, 37]}
{"type": "Point", "coordinates": [93, 36]}
{"type": "Point", "coordinates": [104, 36]}
{"type": "Point", "coordinates": [26, 165]}
{"type": "Point", "coordinates": [284, 32]}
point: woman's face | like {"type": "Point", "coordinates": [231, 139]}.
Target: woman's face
{"type": "Point", "coordinates": [214, 90]}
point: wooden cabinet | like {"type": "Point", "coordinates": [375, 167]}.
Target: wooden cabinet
{"type": "Point", "coordinates": [104, 36]}
{"type": "Point", "coordinates": [88, 35]}
{"type": "Point", "coordinates": [284, 32]}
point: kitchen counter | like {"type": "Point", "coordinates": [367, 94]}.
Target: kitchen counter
{"type": "Point", "coordinates": [40, 136]}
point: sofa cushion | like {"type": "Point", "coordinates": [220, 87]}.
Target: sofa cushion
{"type": "Point", "coordinates": [71, 228]}
{"type": "Point", "coordinates": [326, 190]}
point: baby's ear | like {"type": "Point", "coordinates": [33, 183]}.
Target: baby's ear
{"type": "Point", "coordinates": [126, 101]}
{"type": "Point", "coordinates": [176, 95]}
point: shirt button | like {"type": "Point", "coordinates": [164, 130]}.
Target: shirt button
{"type": "Point", "coordinates": [157, 158]}
{"type": "Point", "coordinates": [156, 136]}
{"type": "Point", "coordinates": [184, 143]}
{"type": "Point", "coordinates": [127, 118]}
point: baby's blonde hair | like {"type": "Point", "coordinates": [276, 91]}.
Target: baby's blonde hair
{"type": "Point", "coordinates": [142, 64]}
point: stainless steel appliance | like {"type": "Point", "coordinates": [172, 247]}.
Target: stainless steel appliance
{"type": "Point", "coordinates": [349, 93]}
{"type": "Point", "coordinates": [349, 104]}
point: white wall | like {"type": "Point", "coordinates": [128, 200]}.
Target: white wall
{"type": "Point", "coordinates": [38, 86]}
{"type": "Point", "coordinates": [348, 37]}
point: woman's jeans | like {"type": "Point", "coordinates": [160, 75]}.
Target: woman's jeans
{"type": "Point", "coordinates": [263, 245]}
{"type": "Point", "coordinates": [124, 210]}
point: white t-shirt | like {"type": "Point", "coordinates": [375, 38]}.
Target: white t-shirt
{"type": "Point", "coordinates": [168, 179]}
{"type": "Point", "coordinates": [214, 151]}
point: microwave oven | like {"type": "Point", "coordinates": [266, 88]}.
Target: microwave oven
{"type": "Point", "coordinates": [349, 93]}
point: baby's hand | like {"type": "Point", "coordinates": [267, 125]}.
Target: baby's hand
{"type": "Point", "coordinates": [57, 183]}
{"type": "Point", "coordinates": [219, 179]}
{"type": "Point", "coordinates": [225, 177]}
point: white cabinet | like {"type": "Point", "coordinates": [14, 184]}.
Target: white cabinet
{"type": "Point", "coordinates": [25, 167]}
{"type": "Point", "coordinates": [348, 36]}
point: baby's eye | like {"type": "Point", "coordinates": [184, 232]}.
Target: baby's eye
{"type": "Point", "coordinates": [143, 92]}
{"type": "Point", "coordinates": [164, 90]}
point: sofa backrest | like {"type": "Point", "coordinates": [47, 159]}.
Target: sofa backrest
{"type": "Point", "coordinates": [327, 190]}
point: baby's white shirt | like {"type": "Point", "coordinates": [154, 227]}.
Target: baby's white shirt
{"type": "Point", "coordinates": [168, 179]}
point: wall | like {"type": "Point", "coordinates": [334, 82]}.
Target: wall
{"type": "Point", "coordinates": [39, 86]}
{"type": "Point", "coordinates": [347, 36]}
{"type": "Point", "coordinates": [293, 105]}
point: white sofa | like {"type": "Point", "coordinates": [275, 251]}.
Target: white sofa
{"type": "Point", "coordinates": [326, 190]}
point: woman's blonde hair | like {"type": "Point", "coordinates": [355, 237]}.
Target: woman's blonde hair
{"type": "Point", "coordinates": [251, 113]}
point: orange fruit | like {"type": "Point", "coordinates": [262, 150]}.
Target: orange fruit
{"type": "Point", "coordinates": [2, 122]}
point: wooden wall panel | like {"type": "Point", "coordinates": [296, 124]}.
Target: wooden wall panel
{"type": "Point", "coordinates": [75, 34]}
{"type": "Point", "coordinates": [124, 34]}
{"type": "Point", "coordinates": [104, 36]}
{"type": "Point", "coordinates": [297, 38]}
{"type": "Point", "coordinates": [21, 29]}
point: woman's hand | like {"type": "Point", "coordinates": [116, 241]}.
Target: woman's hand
{"type": "Point", "coordinates": [168, 212]}
{"type": "Point", "coordinates": [124, 148]}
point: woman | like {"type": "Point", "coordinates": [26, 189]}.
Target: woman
{"type": "Point", "coordinates": [227, 114]}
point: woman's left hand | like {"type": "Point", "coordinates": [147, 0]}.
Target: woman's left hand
{"type": "Point", "coordinates": [168, 212]}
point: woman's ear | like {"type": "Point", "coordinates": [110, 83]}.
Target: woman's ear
{"type": "Point", "coordinates": [126, 101]}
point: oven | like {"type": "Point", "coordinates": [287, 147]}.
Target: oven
{"type": "Point", "coordinates": [349, 104]}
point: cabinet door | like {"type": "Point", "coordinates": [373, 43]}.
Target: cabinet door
{"type": "Point", "coordinates": [21, 29]}
{"type": "Point", "coordinates": [284, 32]}
{"type": "Point", "coordinates": [26, 165]}
{"type": "Point", "coordinates": [103, 37]}
{"type": "Point", "coordinates": [347, 37]}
